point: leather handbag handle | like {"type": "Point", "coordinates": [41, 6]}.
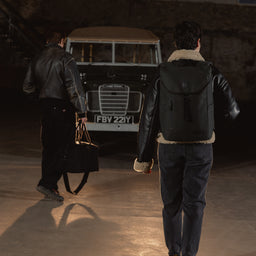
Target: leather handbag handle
{"type": "Point", "coordinates": [80, 131]}
{"type": "Point", "coordinates": [86, 133]}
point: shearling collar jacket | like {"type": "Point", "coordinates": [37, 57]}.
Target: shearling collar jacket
{"type": "Point", "coordinates": [185, 55]}
{"type": "Point", "coordinates": [53, 74]}
{"type": "Point", "coordinates": [149, 123]}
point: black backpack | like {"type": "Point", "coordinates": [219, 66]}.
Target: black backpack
{"type": "Point", "coordinates": [186, 107]}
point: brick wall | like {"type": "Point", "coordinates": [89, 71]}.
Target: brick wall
{"type": "Point", "coordinates": [229, 30]}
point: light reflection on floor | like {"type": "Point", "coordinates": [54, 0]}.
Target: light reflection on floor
{"type": "Point", "coordinates": [118, 213]}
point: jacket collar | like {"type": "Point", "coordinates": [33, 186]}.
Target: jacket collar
{"type": "Point", "coordinates": [186, 54]}
{"type": "Point", "coordinates": [52, 45]}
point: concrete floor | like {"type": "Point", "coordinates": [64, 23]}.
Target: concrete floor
{"type": "Point", "coordinates": [118, 213]}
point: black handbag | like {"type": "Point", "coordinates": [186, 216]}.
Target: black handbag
{"type": "Point", "coordinates": [82, 158]}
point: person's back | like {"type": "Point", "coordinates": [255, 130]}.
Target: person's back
{"type": "Point", "coordinates": [178, 111]}
{"type": "Point", "coordinates": [49, 67]}
{"type": "Point", "coordinates": [49, 72]}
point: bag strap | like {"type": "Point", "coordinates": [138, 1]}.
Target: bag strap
{"type": "Point", "coordinates": [80, 186]}
{"type": "Point", "coordinates": [87, 135]}
{"type": "Point", "coordinates": [81, 131]}
{"type": "Point", "coordinates": [82, 135]}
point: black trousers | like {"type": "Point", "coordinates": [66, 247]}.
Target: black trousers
{"type": "Point", "coordinates": [184, 170]}
{"type": "Point", "coordinates": [57, 133]}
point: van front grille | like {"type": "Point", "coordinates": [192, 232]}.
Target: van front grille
{"type": "Point", "coordinates": [134, 105]}
{"type": "Point", "coordinates": [113, 99]}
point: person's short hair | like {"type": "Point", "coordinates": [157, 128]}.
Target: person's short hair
{"type": "Point", "coordinates": [54, 37]}
{"type": "Point", "coordinates": [186, 35]}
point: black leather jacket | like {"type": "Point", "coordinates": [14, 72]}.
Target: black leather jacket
{"type": "Point", "coordinates": [53, 74]}
{"type": "Point", "coordinates": [149, 122]}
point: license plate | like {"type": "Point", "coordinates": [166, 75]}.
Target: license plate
{"type": "Point", "coordinates": [114, 119]}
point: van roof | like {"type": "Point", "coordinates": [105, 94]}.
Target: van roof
{"type": "Point", "coordinates": [110, 34]}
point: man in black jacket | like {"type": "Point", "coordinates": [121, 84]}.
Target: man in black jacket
{"type": "Point", "coordinates": [53, 77]}
{"type": "Point", "coordinates": [185, 150]}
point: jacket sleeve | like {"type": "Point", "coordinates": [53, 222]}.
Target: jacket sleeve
{"type": "Point", "coordinates": [74, 87]}
{"type": "Point", "coordinates": [29, 87]}
{"type": "Point", "coordinates": [223, 96]}
{"type": "Point", "coordinates": [149, 122]}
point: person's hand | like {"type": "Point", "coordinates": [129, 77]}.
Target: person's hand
{"type": "Point", "coordinates": [143, 167]}
{"type": "Point", "coordinates": [83, 120]}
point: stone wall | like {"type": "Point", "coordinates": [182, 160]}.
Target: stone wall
{"type": "Point", "coordinates": [229, 30]}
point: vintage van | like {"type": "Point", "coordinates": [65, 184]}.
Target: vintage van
{"type": "Point", "coordinates": [116, 66]}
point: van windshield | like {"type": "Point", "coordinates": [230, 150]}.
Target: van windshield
{"type": "Point", "coordinates": [135, 53]}
{"type": "Point", "coordinates": [91, 52]}
{"type": "Point", "coordinates": [126, 53]}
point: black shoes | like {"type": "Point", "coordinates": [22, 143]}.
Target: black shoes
{"type": "Point", "coordinates": [50, 193]}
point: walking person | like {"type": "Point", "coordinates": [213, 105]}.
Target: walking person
{"type": "Point", "coordinates": [54, 79]}
{"type": "Point", "coordinates": [179, 112]}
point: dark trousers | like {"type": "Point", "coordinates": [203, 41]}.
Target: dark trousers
{"type": "Point", "coordinates": [184, 170]}
{"type": "Point", "coordinates": [57, 133]}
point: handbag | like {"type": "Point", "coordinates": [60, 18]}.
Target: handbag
{"type": "Point", "coordinates": [82, 158]}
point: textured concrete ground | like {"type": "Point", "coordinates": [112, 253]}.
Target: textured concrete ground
{"type": "Point", "coordinates": [118, 213]}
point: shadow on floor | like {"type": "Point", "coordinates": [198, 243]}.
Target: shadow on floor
{"type": "Point", "coordinates": [38, 232]}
